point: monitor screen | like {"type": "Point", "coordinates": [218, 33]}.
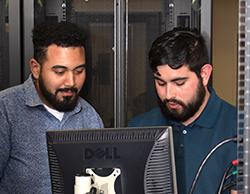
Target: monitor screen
{"type": "Point", "coordinates": [112, 161]}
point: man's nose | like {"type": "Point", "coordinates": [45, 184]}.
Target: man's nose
{"type": "Point", "coordinates": [69, 79]}
{"type": "Point", "coordinates": [169, 92]}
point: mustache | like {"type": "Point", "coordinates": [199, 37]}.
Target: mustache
{"type": "Point", "coordinates": [165, 101]}
{"type": "Point", "coordinates": [73, 90]}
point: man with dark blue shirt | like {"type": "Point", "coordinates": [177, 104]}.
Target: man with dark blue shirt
{"type": "Point", "coordinates": [200, 119]}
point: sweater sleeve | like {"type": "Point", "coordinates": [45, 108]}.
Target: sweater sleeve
{"type": "Point", "coordinates": [4, 139]}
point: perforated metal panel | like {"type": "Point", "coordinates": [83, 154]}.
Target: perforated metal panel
{"type": "Point", "coordinates": [243, 181]}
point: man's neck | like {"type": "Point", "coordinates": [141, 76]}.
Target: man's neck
{"type": "Point", "coordinates": [56, 113]}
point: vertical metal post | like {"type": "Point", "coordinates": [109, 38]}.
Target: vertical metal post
{"type": "Point", "coordinates": [119, 64]}
{"type": "Point", "coordinates": [14, 43]}
{"type": "Point", "coordinates": [243, 179]}
{"type": "Point", "coordinates": [28, 24]}
{"type": "Point", "coordinates": [206, 23]}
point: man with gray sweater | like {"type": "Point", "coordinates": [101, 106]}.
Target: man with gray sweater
{"type": "Point", "coordinates": [47, 100]}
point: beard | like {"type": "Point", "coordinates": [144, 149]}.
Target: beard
{"type": "Point", "coordinates": [68, 103]}
{"type": "Point", "coordinates": [188, 110]}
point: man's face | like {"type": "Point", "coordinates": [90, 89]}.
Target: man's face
{"type": "Point", "coordinates": [180, 91]}
{"type": "Point", "coordinates": [61, 77]}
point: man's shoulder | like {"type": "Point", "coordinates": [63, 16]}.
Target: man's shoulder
{"type": "Point", "coordinates": [11, 93]}
{"type": "Point", "coordinates": [228, 106]}
{"type": "Point", "coordinates": [220, 108]}
{"type": "Point", "coordinates": [86, 106]}
{"type": "Point", "coordinates": [90, 114]}
{"type": "Point", "coordinates": [228, 110]}
{"type": "Point", "coordinates": [224, 104]}
{"type": "Point", "coordinates": [224, 118]}
{"type": "Point", "coordinates": [153, 117]}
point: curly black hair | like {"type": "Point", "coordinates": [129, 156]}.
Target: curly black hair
{"type": "Point", "coordinates": [62, 34]}
{"type": "Point", "coordinates": [178, 47]}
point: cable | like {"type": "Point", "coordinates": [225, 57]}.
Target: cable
{"type": "Point", "coordinates": [205, 160]}
{"type": "Point", "coordinates": [229, 185]}
{"type": "Point", "coordinates": [225, 176]}
{"type": "Point", "coordinates": [233, 173]}
{"type": "Point", "coordinates": [223, 179]}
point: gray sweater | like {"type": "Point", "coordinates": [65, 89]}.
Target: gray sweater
{"type": "Point", "coordinates": [23, 151]}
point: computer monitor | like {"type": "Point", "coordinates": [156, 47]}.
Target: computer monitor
{"type": "Point", "coordinates": [117, 160]}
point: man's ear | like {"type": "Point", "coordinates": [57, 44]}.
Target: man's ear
{"type": "Point", "coordinates": [35, 68]}
{"type": "Point", "coordinates": [206, 72]}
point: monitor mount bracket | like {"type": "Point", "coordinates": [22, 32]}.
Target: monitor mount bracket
{"type": "Point", "coordinates": [104, 184]}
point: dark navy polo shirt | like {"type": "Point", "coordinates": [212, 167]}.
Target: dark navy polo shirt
{"type": "Point", "coordinates": [192, 143]}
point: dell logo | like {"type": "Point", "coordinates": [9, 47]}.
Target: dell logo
{"type": "Point", "coordinates": [101, 153]}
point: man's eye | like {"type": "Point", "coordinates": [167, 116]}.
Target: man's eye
{"type": "Point", "coordinates": [79, 71]}
{"type": "Point", "coordinates": [180, 83]}
{"type": "Point", "coordinates": [59, 72]}
{"type": "Point", "coordinates": [160, 83]}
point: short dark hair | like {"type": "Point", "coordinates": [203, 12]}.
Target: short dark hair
{"type": "Point", "coordinates": [178, 47]}
{"type": "Point", "coordinates": [62, 34]}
